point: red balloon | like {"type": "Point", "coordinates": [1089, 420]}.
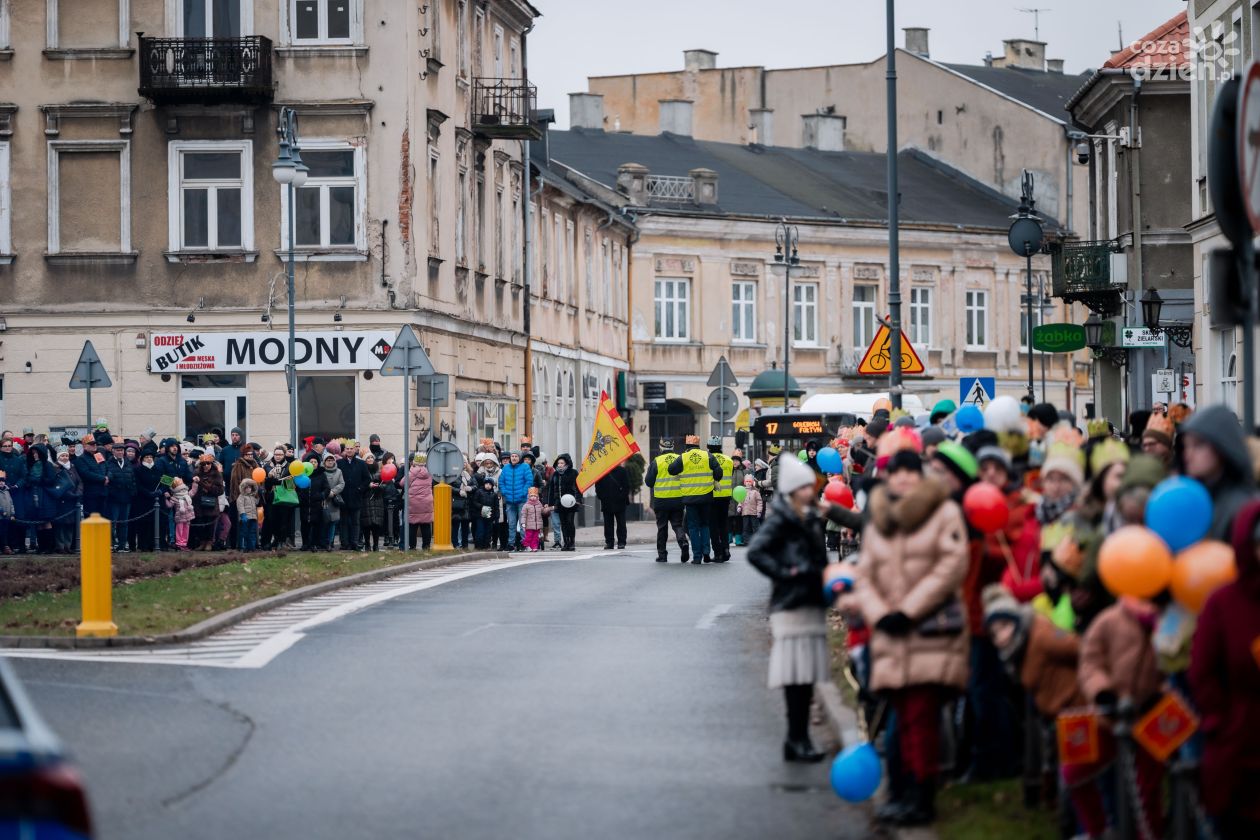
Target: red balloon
{"type": "Point", "coordinates": [838, 493]}
{"type": "Point", "coordinates": [388, 472]}
{"type": "Point", "coordinates": [985, 507]}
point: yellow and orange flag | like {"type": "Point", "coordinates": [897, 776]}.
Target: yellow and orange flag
{"type": "Point", "coordinates": [611, 444]}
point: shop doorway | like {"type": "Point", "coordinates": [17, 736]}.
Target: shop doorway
{"type": "Point", "coordinates": [675, 422]}
{"type": "Point", "coordinates": [212, 402]}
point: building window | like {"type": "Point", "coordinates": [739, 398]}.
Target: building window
{"type": "Point", "coordinates": [606, 261]}
{"type": "Point", "coordinates": [588, 259]}
{"type": "Point", "coordinates": [479, 235]}
{"type": "Point", "coordinates": [570, 262]}
{"type": "Point", "coordinates": [557, 258]}
{"type": "Point", "coordinates": [744, 311]}
{"type": "Point", "coordinates": [1023, 325]}
{"type": "Point", "coordinates": [327, 406]}
{"type": "Point", "coordinates": [1227, 366]}
{"type": "Point", "coordinates": [977, 320]}
{"type": "Point", "coordinates": [805, 314]}
{"type": "Point", "coordinates": [211, 195]}
{"type": "Point", "coordinates": [214, 18]}
{"type": "Point", "coordinates": [461, 31]}
{"type": "Point", "coordinates": [76, 25]}
{"type": "Point", "coordinates": [921, 316]}
{"type": "Point", "coordinates": [434, 20]}
{"type": "Point", "coordinates": [863, 315]}
{"type": "Point", "coordinates": [5, 41]}
{"type": "Point", "coordinates": [435, 228]}
{"type": "Point", "coordinates": [500, 225]}
{"type": "Point", "coordinates": [330, 203]}
{"type": "Point", "coordinates": [315, 22]}
{"type": "Point", "coordinates": [212, 402]}
{"type": "Point", "coordinates": [76, 168]}
{"type": "Point", "coordinates": [672, 299]}
{"type": "Point", "coordinates": [6, 201]}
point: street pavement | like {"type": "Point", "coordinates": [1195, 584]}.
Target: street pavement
{"type": "Point", "coordinates": [602, 696]}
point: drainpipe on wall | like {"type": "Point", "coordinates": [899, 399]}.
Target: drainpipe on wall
{"type": "Point", "coordinates": [526, 244]}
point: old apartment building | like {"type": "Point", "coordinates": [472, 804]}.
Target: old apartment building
{"type": "Point", "coordinates": [138, 210]}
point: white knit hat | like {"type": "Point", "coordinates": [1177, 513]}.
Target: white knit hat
{"type": "Point", "coordinates": [793, 475]}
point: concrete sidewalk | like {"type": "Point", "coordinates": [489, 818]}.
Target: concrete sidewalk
{"type": "Point", "coordinates": [637, 533]}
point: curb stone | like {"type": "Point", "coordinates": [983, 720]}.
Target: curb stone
{"type": "Point", "coordinates": [224, 620]}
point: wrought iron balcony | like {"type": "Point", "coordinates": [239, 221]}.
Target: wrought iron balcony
{"type": "Point", "coordinates": [206, 70]}
{"type": "Point", "coordinates": [1081, 272]}
{"type": "Point", "coordinates": [503, 109]}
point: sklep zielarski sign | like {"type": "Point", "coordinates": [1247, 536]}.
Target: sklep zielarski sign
{"type": "Point", "coordinates": [241, 352]}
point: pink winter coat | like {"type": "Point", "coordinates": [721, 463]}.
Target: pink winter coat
{"type": "Point", "coordinates": [420, 496]}
{"type": "Point", "coordinates": [532, 515]}
{"type": "Point", "coordinates": [753, 504]}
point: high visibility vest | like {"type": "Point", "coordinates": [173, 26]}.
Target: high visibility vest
{"type": "Point", "coordinates": [722, 487]}
{"type": "Point", "coordinates": [697, 477]}
{"type": "Point", "coordinates": [667, 486]}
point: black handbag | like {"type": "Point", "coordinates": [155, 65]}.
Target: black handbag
{"type": "Point", "coordinates": [949, 619]}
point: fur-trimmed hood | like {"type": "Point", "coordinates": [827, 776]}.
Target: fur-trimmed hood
{"type": "Point", "coordinates": [908, 513]}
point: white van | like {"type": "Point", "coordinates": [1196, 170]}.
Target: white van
{"type": "Point", "coordinates": [861, 405]}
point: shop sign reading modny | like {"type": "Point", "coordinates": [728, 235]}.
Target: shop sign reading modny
{"type": "Point", "coordinates": [240, 352]}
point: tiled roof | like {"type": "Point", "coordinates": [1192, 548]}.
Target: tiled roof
{"type": "Point", "coordinates": [1166, 46]}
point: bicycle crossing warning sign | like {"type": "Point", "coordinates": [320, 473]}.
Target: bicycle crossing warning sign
{"type": "Point", "coordinates": [878, 362]}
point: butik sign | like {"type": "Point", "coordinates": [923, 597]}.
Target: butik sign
{"type": "Point", "coordinates": [240, 352]}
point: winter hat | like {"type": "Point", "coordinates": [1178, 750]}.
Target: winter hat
{"type": "Point", "coordinates": [533, 492]}
{"type": "Point", "coordinates": [334, 447]}
{"type": "Point", "coordinates": [932, 436]}
{"type": "Point", "coordinates": [1143, 471]}
{"type": "Point", "coordinates": [761, 465]}
{"type": "Point", "coordinates": [374, 439]}
{"type": "Point", "coordinates": [749, 481]}
{"type": "Point", "coordinates": [1067, 460]}
{"type": "Point", "coordinates": [328, 456]}
{"type": "Point", "coordinates": [905, 459]}
{"type": "Point", "coordinates": [150, 432]}
{"type": "Point", "coordinates": [998, 602]}
{"type": "Point", "coordinates": [877, 427]}
{"type": "Point", "coordinates": [958, 460]}
{"type": "Point", "coordinates": [1044, 413]}
{"type": "Point", "coordinates": [1159, 429]}
{"type": "Point", "coordinates": [942, 409]}
{"type": "Point", "coordinates": [793, 475]}
{"type": "Point", "coordinates": [236, 430]}
{"type": "Point", "coordinates": [995, 453]}
{"type": "Point", "coordinates": [63, 450]}
{"type": "Point", "coordinates": [102, 423]}
{"type": "Point", "coordinates": [904, 422]}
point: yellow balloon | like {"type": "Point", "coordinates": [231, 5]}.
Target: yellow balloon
{"type": "Point", "coordinates": [296, 468]}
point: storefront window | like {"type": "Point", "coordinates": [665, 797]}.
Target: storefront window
{"type": "Point", "coordinates": [212, 403]}
{"type": "Point", "coordinates": [327, 407]}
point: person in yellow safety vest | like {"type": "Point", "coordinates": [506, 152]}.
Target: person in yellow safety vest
{"type": "Point", "coordinates": [719, 524]}
{"type": "Point", "coordinates": [666, 501]}
{"type": "Point", "coordinates": [697, 470]}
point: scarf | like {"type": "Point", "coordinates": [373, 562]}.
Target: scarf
{"type": "Point", "coordinates": [1050, 510]}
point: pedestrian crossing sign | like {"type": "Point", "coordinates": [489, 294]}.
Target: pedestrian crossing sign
{"type": "Point", "coordinates": [878, 362]}
{"type": "Point", "coordinates": [976, 390]}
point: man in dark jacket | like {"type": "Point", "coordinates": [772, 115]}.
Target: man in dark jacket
{"type": "Point", "coordinates": [120, 487]}
{"type": "Point", "coordinates": [613, 492]}
{"type": "Point", "coordinates": [91, 468]}
{"type": "Point", "coordinates": [1214, 452]}
{"type": "Point", "coordinates": [697, 469]}
{"type": "Point", "coordinates": [564, 483]}
{"type": "Point", "coordinates": [148, 490]}
{"type": "Point", "coordinates": [357, 477]}
{"type": "Point", "coordinates": [230, 452]}
{"type": "Point", "coordinates": [666, 501]}
{"type": "Point", "coordinates": [13, 463]}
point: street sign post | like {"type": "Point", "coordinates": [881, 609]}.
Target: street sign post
{"type": "Point", "coordinates": [89, 373]}
{"type": "Point", "coordinates": [1140, 337]}
{"type": "Point", "coordinates": [407, 359]}
{"type": "Point", "coordinates": [434, 390]}
{"type": "Point", "coordinates": [1163, 384]}
{"type": "Point", "coordinates": [976, 390]}
{"type": "Point", "coordinates": [445, 462]}
{"type": "Point", "coordinates": [877, 361]}
{"type": "Point", "coordinates": [722, 375]}
{"type": "Point", "coordinates": [723, 404]}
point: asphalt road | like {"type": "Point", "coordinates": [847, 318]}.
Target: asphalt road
{"type": "Point", "coordinates": [599, 698]}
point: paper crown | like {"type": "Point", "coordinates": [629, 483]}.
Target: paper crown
{"type": "Point", "coordinates": [1110, 451]}
{"type": "Point", "coordinates": [1098, 428]}
{"type": "Point", "coordinates": [1160, 428]}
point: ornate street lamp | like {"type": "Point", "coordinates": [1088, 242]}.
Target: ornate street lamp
{"type": "Point", "coordinates": [1094, 341]}
{"type": "Point", "coordinates": [290, 172]}
{"type": "Point", "coordinates": [1152, 305]}
{"type": "Point", "coordinates": [786, 239]}
{"type": "Point", "coordinates": [1025, 237]}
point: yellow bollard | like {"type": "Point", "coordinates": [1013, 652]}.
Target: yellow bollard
{"type": "Point", "coordinates": [442, 518]}
{"type": "Point", "coordinates": [97, 579]}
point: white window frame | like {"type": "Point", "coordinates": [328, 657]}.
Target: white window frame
{"type": "Point", "coordinates": [1227, 355]}
{"type": "Point", "coordinates": [861, 310]}
{"type": "Point", "coordinates": [743, 310]}
{"type": "Point", "coordinates": [358, 181]}
{"type": "Point", "coordinates": [681, 304]}
{"type": "Point", "coordinates": [497, 47]}
{"type": "Point", "coordinates": [461, 31]}
{"type": "Point", "coordinates": [6, 201]}
{"type": "Point", "coordinates": [288, 25]}
{"type": "Point", "coordinates": [921, 316]}
{"type": "Point", "coordinates": [801, 308]}
{"type": "Point", "coordinates": [588, 263]}
{"type": "Point", "coordinates": [52, 33]}
{"type": "Point", "coordinates": [175, 16]}
{"type": "Point", "coordinates": [56, 148]}
{"type": "Point", "coordinates": [4, 24]}
{"type": "Point", "coordinates": [606, 261]}
{"type": "Point", "coordinates": [175, 199]}
{"type": "Point", "coordinates": [1038, 318]}
{"type": "Point", "coordinates": [570, 261]}
{"type": "Point", "coordinates": [976, 305]}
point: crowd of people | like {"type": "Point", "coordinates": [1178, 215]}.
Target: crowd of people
{"type": "Point", "coordinates": [218, 493]}
{"type": "Point", "coordinates": [993, 612]}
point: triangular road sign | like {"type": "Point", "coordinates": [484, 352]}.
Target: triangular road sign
{"type": "Point", "coordinates": [722, 375]}
{"type": "Point", "coordinates": [976, 394]}
{"type": "Point", "coordinates": [89, 371]}
{"type": "Point", "coordinates": [877, 361]}
{"type": "Point", "coordinates": [407, 357]}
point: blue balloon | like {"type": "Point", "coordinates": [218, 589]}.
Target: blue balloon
{"type": "Point", "coordinates": [855, 773]}
{"type": "Point", "coordinates": [829, 460]}
{"type": "Point", "coordinates": [1180, 512]}
{"type": "Point", "coordinates": [302, 481]}
{"type": "Point", "coordinates": [969, 419]}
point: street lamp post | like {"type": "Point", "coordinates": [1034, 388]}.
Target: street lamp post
{"type": "Point", "coordinates": [290, 172]}
{"type": "Point", "coordinates": [1025, 237]}
{"type": "Point", "coordinates": [786, 239]}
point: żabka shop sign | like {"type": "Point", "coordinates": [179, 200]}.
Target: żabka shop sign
{"type": "Point", "coordinates": [239, 352]}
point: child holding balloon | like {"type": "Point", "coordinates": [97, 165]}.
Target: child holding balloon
{"type": "Point", "coordinates": [751, 509]}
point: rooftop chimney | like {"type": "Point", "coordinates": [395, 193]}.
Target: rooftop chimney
{"type": "Point", "coordinates": [632, 182]}
{"type": "Point", "coordinates": [761, 121]}
{"type": "Point", "coordinates": [700, 59]}
{"type": "Point", "coordinates": [1024, 53]}
{"type": "Point", "coordinates": [917, 40]}
{"type": "Point", "coordinates": [1054, 65]}
{"type": "Point", "coordinates": [676, 116]}
{"type": "Point", "coordinates": [823, 132]}
{"type": "Point", "coordinates": [586, 110]}
{"type": "Point", "coordinates": [706, 185]}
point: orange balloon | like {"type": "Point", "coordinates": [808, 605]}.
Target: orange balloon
{"type": "Point", "coordinates": [882, 402]}
{"type": "Point", "coordinates": [259, 475]}
{"type": "Point", "coordinates": [1200, 570]}
{"type": "Point", "coordinates": [1134, 561]}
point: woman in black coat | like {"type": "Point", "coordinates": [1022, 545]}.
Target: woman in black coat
{"type": "Point", "coordinates": [41, 477]}
{"type": "Point", "coordinates": [148, 490]}
{"type": "Point", "coordinates": [563, 483]}
{"type": "Point", "coordinates": [67, 489]}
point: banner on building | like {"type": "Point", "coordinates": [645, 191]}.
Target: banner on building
{"type": "Point", "coordinates": [241, 352]}
{"type": "Point", "coordinates": [611, 444]}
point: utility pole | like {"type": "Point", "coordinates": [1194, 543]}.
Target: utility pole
{"type": "Point", "coordinates": [894, 255]}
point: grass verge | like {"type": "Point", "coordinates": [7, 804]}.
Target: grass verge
{"type": "Point", "coordinates": [173, 602]}
{"type": "Point", "coordinates": [990, 812]}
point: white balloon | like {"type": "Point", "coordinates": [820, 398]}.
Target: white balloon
{"type": "Point", "coordinates": [567, 500]}
{"type": "Point", "coordinates": [1003, 415]}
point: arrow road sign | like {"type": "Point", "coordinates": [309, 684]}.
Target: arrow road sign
{"type": "Point", "coordinates": [89, 371]}
{"type": "Point", "coordinates": [407, 357]}
{"type": "Point", "coordinates": [722, 375]}
{"type": "Point", "coordinates": [723, 404]}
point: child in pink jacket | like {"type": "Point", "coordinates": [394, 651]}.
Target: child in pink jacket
{"type": "Point", "coordinates": [751, 509]}
{"type": "Point", "coordinates": [181, 503]}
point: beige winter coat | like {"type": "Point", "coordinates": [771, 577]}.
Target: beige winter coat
{"type": "Point", "coordinates": [914, 558]}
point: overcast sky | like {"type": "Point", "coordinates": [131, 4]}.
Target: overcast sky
{"type": "Point", "coordinates": [579, 38]}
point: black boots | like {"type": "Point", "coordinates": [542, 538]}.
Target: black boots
{"type": "Point", "coordinates": [915, 806]}
{"type": "Point", "coordinates": [802, 751]}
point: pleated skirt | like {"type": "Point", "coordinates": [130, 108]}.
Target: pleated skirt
{"type": "Point", "coordinates": [799, 654]}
